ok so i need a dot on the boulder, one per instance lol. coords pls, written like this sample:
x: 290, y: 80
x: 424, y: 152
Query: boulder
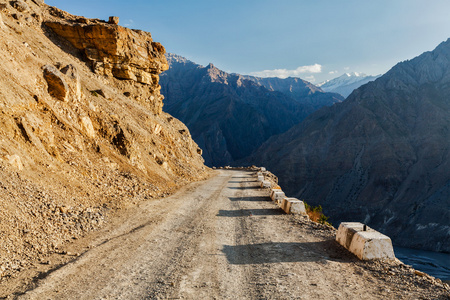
x: 113, y: 20
x: 20, y: 5
x: 57, y: 86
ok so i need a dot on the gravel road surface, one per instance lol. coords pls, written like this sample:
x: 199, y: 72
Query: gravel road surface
x: 220, y: 239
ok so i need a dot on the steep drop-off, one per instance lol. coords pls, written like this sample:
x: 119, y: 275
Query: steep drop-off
x: 81, y: 128
x: 229, y: 115
x: 381, y: 156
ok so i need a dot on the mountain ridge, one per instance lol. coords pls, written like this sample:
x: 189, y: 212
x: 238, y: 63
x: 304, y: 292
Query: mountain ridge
x: 346, y: 83
x: 229, y: 115
x: 381, y: 156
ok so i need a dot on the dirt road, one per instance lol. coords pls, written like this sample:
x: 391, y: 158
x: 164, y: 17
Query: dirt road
x: 218, y: 239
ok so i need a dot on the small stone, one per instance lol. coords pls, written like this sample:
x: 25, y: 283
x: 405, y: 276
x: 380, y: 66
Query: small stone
x: 20, y: 5
x: 15, y: 161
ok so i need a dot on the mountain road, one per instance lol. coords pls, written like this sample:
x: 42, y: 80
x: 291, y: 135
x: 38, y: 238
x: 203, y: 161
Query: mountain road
x: 221, y: 238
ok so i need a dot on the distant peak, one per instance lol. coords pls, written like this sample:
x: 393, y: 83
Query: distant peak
x: 354, y: 74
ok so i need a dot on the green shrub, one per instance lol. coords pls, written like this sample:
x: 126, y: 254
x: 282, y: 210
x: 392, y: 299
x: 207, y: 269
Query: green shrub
x: 316, y: 214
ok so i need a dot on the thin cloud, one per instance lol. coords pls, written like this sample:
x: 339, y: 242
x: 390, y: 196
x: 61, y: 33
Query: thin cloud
x: 310, y: 78
x: 332, y: 72
x: 284, y: 73
x: 130, y: 22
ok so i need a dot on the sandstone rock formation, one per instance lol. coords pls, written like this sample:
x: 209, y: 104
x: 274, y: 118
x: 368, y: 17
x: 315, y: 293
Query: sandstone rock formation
x: 66, y: 165
x: 381, y: 157
x: 113, y: 50
x: 228, y: 114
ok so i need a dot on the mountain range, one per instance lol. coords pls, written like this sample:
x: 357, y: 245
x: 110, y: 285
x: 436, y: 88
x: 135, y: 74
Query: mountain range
x: 230, y: 115
x: 346, y: 83
x: 381, y: 157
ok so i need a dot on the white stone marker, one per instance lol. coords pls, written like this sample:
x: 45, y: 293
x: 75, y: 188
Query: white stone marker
x: 260, y: 178
x: 266, y: 184
x: 293, y: 206
x: 263, y: 169
x: 364, y: 242
x: 277, y: 195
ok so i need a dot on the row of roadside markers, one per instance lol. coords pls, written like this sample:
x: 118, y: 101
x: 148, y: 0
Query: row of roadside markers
x: 289, y: 205
x: 363, y: 241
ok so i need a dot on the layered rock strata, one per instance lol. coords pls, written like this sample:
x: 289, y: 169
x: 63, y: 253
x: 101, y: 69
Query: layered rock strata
x: 116, y: 51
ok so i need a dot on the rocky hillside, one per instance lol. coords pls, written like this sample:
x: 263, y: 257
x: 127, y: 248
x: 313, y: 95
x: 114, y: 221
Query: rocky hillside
x: 300, y: 90
x: 82, y: 129
x: 230, y: 116
x: 382, y: 156
x: 346, y: 83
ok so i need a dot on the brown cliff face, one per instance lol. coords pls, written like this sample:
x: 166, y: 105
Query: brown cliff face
x: 116, y: 51
x: 75, y: 144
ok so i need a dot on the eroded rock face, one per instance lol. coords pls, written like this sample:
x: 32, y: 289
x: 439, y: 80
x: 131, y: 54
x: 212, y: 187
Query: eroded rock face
x: 116, y: 51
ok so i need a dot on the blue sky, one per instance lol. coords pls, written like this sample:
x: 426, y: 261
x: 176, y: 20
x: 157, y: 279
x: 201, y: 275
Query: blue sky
x: 312, y: 39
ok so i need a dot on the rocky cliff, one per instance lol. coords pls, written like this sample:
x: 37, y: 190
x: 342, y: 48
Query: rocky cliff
x: 82, y: 131
x: 381, y: 157
x: 300, y: 90
x: 229, y: 115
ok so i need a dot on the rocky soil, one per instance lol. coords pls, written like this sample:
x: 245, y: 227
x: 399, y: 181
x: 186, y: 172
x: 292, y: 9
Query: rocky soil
x: 82, y: 132
x: 218, y: 239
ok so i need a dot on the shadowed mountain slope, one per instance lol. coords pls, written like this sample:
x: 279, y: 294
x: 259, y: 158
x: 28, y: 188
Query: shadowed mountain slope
x: 228, y: 115
x: 381, y: 156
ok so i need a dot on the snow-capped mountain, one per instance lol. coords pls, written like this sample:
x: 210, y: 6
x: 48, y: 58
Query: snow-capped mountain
x: 346, y: 83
